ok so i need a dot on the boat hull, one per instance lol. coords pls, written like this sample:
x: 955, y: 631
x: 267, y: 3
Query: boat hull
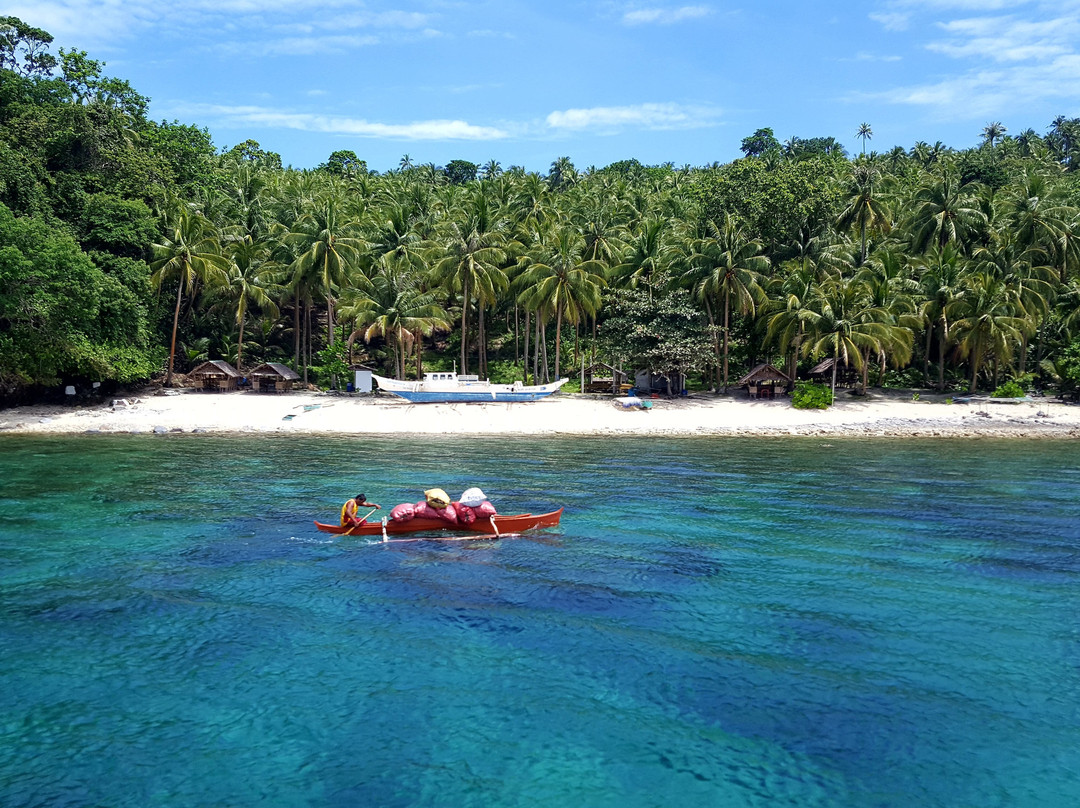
x: 506, y: 524
x: 453, y: 391
x: 467, y: 397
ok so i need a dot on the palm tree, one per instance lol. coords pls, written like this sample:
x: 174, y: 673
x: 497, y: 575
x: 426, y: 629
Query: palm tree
x: 864, y: 209
x: 992, y: 132
x: 941, y: 285
x: 189, y: 252
x: 647, y: 255
x: 558, y: 279
x: 726, y: 263
x: 944, y: 212
x: 471, y: 254
x: 865, y: 133
x: 394, y: 306
x: 839, y: 322
x: 987, y: 322
x: 248, y: 280
x: 327, y: 247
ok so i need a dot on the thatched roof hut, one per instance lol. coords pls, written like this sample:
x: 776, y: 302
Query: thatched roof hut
x: 845, y: 374
x: 273, y: 377
x: 762, y: 381
x: 216, y: 375
x: 764, y: 373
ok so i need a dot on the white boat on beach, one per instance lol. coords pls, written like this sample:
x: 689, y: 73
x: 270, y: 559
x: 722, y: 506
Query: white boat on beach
x: 442, y: 387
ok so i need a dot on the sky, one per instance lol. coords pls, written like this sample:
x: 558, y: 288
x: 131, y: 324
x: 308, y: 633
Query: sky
x: 598, y: 81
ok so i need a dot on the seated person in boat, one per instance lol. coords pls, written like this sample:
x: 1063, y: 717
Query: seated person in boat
x: 349, y: 510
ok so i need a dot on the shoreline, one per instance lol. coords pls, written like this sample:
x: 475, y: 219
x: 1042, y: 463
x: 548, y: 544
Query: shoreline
x: 882, y: 413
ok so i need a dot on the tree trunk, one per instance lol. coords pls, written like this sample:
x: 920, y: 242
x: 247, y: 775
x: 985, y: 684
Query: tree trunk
x: 558, y: 340
x: 943, y: 333
x: 330, y: 333
x: 240, y: 343
x: 716, y: 345
x: 975, y: 360
x: 175, y: 325
x: 482, y: 337
x: 926, y: 357
x: 525, y: 353
x: 727, y: 313
x: 305, y: 341
x: 881, y: 370
x: 835, y: 362
x: 517, y: 334
x: 543, y: 343
x: 536, y: 352
x: 464, y: 325
x: 296, y: 330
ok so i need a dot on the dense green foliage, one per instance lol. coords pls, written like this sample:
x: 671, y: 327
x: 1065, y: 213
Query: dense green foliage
x: 811, y: 396
x: 132, y: 247
x: 1011, y: 389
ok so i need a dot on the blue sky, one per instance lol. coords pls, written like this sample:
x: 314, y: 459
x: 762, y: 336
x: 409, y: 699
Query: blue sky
x: 598, y: 81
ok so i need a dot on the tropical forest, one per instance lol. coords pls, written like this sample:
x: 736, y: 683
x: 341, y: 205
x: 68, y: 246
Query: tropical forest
x: 133, y: 249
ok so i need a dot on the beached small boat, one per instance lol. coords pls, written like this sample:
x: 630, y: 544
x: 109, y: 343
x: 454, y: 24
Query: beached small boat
x: 450, y: 387
x: 492, y: 526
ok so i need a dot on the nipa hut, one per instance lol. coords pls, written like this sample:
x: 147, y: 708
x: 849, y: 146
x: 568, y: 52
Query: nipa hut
x: 762, y: 381
x: 604, y: 378
x: 846, y: 376
x: 273, y: 377
x: 217, y: 375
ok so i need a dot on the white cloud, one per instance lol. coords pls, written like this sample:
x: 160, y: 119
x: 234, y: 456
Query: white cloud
x: 96, y: 23
x: 665, y: 16
x: 641, y: 116
x: 236, y: 117
x: 1006, y: 39
x: 865, y: 56
x: 993, y: 92
x: 893, y: 20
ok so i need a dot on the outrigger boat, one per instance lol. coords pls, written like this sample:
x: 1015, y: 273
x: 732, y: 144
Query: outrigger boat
x: 494, y: 526
x: 444, y: 387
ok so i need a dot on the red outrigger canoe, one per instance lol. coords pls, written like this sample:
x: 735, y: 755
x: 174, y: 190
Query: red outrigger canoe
x: 502, y: 525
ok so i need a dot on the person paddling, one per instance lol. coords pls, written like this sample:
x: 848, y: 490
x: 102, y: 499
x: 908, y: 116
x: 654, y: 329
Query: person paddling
x: 349, y: 511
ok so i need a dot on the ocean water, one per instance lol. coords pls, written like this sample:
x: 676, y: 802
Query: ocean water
x: 716, y: 622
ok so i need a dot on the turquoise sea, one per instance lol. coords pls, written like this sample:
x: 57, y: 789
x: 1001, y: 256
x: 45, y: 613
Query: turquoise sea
x: 717, y: 622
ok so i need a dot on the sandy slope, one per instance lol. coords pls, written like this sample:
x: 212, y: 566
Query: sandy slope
x: 891, y: 413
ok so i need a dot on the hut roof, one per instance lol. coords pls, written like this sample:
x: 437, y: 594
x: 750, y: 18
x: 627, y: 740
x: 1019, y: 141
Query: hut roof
x: 825, y: 365
x: 275, y: 369
x: 763, y: 373
x: 600, y: 367
x: 216, y: 367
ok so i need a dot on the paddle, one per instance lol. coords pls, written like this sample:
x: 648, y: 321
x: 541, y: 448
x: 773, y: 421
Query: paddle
x: 366, y: 515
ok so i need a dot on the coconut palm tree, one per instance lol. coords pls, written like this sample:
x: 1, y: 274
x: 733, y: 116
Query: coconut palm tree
x: 864, y: 210
x: 987, y: 322
x: 944, y: 212
x: 865, y: 133
x: 393, y: 305
x: 992, y: 132
x: 248, y: 281
x: 328, y: 249
x: 726, y: 264
x: 940, y: 274
x: 470, y: 257
x: 840, y: 324
x: 557, y: 278
x: 189, y: 252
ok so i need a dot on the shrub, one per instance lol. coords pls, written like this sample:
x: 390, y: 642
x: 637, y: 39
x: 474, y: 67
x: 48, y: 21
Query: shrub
x: 1011, y: 389
x: 811, y: 396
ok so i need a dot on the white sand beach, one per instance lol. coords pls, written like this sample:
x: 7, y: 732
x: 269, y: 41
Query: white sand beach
x: 881, y: 413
